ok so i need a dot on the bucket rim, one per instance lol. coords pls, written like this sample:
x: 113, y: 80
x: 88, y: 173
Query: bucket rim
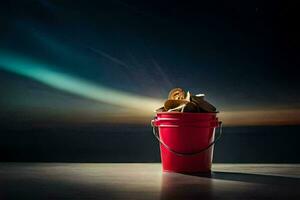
x: 187, y: 113
x: 180, y: 119
x: 177, y: 123
x: 186, y: 125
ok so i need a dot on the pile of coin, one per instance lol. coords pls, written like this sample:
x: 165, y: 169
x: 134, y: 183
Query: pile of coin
x: 181, y: 101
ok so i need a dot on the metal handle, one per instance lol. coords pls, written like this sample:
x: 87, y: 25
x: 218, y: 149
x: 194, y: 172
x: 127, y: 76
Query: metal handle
x: 155, y: 133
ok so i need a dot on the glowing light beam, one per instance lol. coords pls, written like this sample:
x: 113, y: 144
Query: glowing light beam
x: 45, y: 74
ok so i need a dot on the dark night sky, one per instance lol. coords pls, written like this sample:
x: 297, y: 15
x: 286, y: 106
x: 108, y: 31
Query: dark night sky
x: 242, y: 54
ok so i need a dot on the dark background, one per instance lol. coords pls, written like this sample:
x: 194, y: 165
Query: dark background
x: 91, y: 143
x: 242, y: 54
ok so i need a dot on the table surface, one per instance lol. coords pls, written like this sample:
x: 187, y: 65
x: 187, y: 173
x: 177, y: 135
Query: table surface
x: 146, y: 181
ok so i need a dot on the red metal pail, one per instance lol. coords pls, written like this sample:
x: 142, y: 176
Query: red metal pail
x: 186, y: 140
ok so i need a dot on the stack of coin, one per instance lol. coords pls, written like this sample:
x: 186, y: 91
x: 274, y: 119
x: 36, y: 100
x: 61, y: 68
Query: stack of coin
x: 181, y: 101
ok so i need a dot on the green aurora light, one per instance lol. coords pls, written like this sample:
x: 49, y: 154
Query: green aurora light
x: 45, y: 74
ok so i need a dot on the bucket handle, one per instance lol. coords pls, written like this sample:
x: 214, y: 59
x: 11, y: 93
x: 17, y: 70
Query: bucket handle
x: 155, y: 133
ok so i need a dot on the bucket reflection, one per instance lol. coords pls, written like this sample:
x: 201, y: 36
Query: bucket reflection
x: 183, y: 186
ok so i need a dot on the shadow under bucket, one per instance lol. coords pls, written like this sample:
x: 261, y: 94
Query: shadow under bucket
x: 186, y: 140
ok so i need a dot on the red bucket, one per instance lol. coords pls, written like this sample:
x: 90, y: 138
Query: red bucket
x: 186, y: 140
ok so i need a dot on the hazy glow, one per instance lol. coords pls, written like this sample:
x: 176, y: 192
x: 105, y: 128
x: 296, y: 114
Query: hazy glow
x: 261, y: 117
x: 45, y: 74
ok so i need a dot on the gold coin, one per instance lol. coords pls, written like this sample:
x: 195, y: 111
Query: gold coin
x: 170, y: 104
x: 177, y: 94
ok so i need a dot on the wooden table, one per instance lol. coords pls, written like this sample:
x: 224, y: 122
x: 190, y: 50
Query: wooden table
x: 146, y: 181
